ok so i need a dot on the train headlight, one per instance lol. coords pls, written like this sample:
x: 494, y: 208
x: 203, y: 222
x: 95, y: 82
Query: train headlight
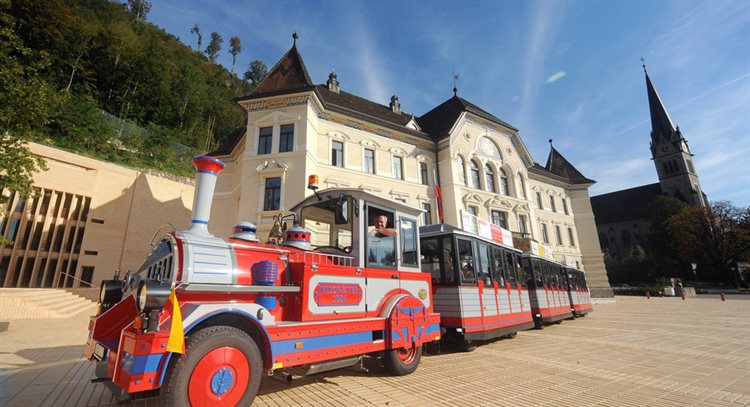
x: 111, y: 291
x: 152, y: 295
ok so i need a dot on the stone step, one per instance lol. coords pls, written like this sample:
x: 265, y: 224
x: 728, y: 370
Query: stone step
x: 36, y: 303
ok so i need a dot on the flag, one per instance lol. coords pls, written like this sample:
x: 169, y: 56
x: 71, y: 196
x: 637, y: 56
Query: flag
x: 439, y: 201
x: 176, y: 341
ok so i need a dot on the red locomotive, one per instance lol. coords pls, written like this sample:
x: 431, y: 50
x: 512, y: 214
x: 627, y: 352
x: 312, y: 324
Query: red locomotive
x: 204, y: 318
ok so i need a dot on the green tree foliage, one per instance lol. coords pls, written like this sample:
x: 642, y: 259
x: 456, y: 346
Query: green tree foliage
x: 255, y: 73
x: 213, y: 48
x: 662, y: 254
x: 133, y: 91
x: 139, y: 8
x: 235, y: 47
x: 197, y: 30
x: 715, y: 237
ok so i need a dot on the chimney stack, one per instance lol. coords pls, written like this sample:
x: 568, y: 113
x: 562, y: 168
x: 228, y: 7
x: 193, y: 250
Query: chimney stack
x: 395, y: 104
x: 333, y: 82
x: 207, y: 169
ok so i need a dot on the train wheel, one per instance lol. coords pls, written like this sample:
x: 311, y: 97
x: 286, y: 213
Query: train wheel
x: 467, y: 345
x: 222, y: 367
x: 402, y: 361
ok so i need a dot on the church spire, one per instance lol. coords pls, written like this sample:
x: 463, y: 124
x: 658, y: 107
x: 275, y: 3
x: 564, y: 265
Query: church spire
x: 661, y: 123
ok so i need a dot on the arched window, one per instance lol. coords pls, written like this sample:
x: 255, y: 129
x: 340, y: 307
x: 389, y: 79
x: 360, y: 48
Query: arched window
x: 474, y: 175
x: 489, y: 179
x: 503, y: 182
x: 461, y: 169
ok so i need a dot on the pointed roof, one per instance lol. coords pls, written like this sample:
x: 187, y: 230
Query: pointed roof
x: 661, y: 123
x: 439, y: 121
x: 288, y: 74
x: 558, y: 165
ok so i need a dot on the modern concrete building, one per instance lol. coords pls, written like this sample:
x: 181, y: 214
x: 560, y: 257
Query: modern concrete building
x: 296, y: 128
x: 88, y: 219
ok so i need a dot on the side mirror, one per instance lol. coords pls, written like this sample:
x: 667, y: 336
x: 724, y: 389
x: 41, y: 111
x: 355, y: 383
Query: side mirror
x: 342, y: 211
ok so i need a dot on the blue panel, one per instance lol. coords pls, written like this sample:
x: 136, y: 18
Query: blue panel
x: 140, y: 364
x: 320, y: 342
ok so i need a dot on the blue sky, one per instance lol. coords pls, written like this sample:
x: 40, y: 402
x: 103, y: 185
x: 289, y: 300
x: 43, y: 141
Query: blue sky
x: 569, y: 71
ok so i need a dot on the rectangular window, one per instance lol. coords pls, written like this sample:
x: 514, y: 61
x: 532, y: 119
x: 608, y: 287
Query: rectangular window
x: 473, y: 210
x: 369, y: 161
x: 545, y: 236
x: 398, y: 167
x: 337, y: 153
x: 522, y: 224
x: 427, y: 215
x: 423, y: 173
x: 500, y: 219
x: 408, y: 234
x: 558, y: 235
x: 539, y: 201
x: 286, y: 139
x: 565, y: 206
x: 570, y: 236
x: 272, y: 197
x: 264, y: 140
x: 466, y: 261
x: 552, y: 206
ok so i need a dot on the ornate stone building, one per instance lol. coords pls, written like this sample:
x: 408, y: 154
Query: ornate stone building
x: 296, y: 128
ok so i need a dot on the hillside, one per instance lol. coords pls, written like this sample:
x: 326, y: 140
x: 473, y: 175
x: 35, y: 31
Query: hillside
x: 94, y: 77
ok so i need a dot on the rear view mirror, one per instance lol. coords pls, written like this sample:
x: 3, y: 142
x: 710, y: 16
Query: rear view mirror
x: 342, y: 211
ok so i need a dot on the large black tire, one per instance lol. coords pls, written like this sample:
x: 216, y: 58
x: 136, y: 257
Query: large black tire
x: 467, y: 345
x: 186, y: 383
x: 401, y: 361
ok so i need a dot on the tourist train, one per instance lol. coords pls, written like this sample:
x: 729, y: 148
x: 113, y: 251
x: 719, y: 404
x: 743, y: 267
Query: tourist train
x: 346, y: 273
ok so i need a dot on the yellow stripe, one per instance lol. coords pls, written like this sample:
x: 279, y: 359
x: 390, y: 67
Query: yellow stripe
x: 176, y: 333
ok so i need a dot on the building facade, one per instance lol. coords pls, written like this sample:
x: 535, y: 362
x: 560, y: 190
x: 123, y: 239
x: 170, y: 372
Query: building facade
x: 87, y: 220
x: 296, y: 128
x: 620, y: 227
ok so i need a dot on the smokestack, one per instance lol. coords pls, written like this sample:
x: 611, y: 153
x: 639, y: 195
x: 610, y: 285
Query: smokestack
x: 208, y: 168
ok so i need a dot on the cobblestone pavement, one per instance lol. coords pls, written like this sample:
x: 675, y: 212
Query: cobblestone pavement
x: 657, y: 352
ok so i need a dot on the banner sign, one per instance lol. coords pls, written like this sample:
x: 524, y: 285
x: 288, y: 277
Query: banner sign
x: 480, y: 227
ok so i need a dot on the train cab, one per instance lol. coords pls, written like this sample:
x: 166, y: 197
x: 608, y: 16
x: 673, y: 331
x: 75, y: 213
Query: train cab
x: 478, y: 285
x: 548, y: 291
x: 580, y: 297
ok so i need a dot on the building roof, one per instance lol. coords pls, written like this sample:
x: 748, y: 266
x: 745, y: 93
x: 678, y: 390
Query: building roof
x: 439, y: 121
x: 289, y: 74
x: 558, y: 165
x: 661, y: 123
x: 627, y: 204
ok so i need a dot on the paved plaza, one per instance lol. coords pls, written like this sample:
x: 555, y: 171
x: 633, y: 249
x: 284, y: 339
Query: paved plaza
x: 633, y: 352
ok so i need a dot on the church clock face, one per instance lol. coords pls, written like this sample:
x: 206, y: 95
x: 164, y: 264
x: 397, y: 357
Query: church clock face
x: 665, y: 148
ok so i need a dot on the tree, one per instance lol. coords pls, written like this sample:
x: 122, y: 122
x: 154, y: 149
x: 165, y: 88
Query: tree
x: 662, y: 254
x: 235, y: 47
x: 139, y: 8
x: 17, y: 170
x: 715, y: 237
x: 256, y: 73
x: 213, y: 48
x: 197, y: 30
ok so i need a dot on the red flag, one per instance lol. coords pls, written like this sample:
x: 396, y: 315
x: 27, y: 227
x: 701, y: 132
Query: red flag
x: 439, y: 200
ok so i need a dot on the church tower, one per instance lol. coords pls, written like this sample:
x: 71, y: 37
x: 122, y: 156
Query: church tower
x: 671, y: 154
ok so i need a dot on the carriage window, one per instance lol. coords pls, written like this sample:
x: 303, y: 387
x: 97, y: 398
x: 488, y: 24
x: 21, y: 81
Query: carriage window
x: 449, y: 261
x: 408, y: 235
x: 326, y: 234
x: 466, y: 261
x: 484, y: 264
x: 430, y: 252
x: 524, y: 271
x: 511, y: 267
x: 538, y: 281
x: 500, y: 272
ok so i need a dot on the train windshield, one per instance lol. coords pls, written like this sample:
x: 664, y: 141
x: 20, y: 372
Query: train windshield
x: 329, y: 228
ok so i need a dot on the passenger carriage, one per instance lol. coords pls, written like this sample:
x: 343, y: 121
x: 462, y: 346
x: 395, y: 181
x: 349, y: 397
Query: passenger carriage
x: 319, y: 295
x: 478, y: 285
x: 580, y: 297
x: 548, y: 292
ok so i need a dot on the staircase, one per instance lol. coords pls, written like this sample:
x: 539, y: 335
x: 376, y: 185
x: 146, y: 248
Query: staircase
x: 41, y: 303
